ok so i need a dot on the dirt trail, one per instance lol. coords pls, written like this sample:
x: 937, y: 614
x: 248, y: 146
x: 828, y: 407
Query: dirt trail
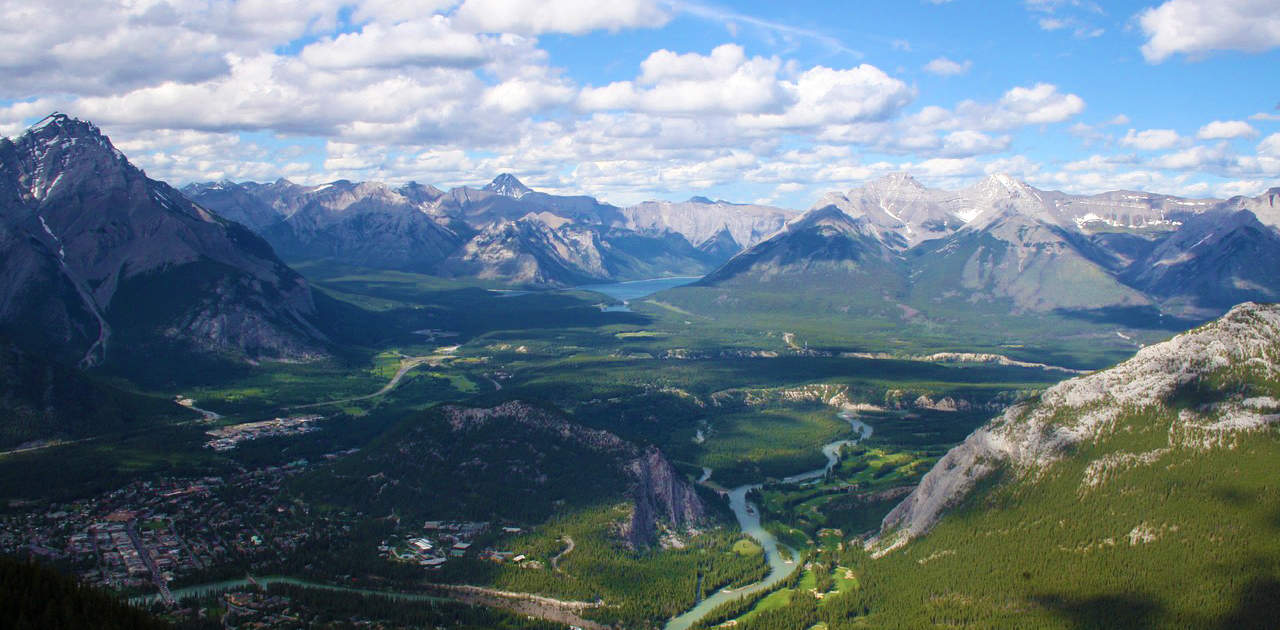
x: 555, y: 562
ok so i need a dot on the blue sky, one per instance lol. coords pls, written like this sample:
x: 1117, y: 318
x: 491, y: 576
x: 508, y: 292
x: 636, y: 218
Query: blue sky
x: 772, y: 102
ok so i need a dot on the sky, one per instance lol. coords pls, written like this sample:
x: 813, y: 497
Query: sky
x: 628, y: 100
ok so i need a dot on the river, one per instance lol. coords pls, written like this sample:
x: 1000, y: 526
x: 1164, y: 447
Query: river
x: 749, y: 520
x: 747, y: 515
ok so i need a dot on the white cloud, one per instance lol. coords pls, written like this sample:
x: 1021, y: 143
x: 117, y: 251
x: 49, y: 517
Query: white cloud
x: 429, y: 42
x: 1247, y: 188
x: 1226, y: 129
x: 1198, y: 27
x: 945, y: 67
x: 1270, y: 146
x: 532, y: 17
x: 1152, y: 139
x: 1020, y: 106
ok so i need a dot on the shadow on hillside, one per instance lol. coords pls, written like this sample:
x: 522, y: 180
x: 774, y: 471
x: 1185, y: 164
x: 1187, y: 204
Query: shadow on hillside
x: 1103, y: 612
x: 1257, y: 607
x: 1145, y: 317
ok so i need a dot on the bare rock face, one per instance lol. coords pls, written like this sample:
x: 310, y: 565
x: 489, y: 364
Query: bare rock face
x: 660, y: 494
x: 1030, y: 436
x: 82, y: 227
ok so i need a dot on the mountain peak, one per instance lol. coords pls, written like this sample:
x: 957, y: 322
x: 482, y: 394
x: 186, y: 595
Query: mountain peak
x: 507, y: 185
x: 900, y: 179
x: 1004, y: 184
x: 58, y: 124
x: 700, y: 199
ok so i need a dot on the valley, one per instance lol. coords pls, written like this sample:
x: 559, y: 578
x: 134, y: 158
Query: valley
x: 497, y: 407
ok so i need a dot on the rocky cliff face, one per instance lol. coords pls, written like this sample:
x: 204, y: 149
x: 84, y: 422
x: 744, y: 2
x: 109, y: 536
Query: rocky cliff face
x: 92, y: 246
x: 1242, y: 347
x: 660, y: 494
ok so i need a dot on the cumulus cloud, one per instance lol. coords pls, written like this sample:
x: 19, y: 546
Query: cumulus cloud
x: 1270, y: 146
x: 560, y: 16
x: 1151, y: 139
x: 945, y: 67
x: 1226, y: 129
x: 1198, y: 27
x: 429, y: 42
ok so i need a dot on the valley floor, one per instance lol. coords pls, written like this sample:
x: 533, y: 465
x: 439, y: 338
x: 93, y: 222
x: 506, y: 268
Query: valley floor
x: 753, y: 405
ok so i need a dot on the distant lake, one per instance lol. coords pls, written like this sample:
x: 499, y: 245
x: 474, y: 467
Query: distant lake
x: 636, y: 289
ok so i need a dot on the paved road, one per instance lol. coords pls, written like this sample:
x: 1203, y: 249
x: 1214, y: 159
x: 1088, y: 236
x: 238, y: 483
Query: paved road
x: 406, y: 364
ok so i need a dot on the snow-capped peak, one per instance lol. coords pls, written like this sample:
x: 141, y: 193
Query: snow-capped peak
x: 507, y: 185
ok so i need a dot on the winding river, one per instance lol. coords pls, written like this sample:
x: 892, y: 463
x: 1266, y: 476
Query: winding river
x: 749, y: 520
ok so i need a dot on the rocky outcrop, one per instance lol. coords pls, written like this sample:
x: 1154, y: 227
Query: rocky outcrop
x: 660, y: 494
x: 1031, y: 436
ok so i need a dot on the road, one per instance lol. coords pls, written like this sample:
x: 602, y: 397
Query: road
x: 145, y: 555
x: 555, y: 562
x: 406, y: 364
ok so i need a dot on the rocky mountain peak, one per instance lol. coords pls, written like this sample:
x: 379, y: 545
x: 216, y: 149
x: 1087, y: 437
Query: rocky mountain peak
x: 1031, y: 436
x: 829, y: 215
x: 507, y: 185
x: 58, y: 144
x: 701, y: 200
x: 896, y: 181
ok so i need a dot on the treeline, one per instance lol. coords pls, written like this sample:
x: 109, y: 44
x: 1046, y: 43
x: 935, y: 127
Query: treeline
x: 33, y: 597
x: 339, y: 609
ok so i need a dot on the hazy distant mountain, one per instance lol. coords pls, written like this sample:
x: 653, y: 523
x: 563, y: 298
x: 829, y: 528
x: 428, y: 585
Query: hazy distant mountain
x: 1212, y: 262
x: 1002, y: 240
x: 366, y: 224
x: 529, y: 251
x: 507, y: 185
x: 1015, y: 247
x: 1265, y: 206
x: 821, y: 246
x: 904, y: 212
x: 706, y: 223
x: 504, y: 232
x: 95, y: 251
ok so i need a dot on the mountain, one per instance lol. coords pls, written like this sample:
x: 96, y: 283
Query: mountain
x: 708, y: 225
x: 507, y: 185
x: 96, y: 252
x: 1015, y: 247
x: 1010, y: 246
x: 905, y: 212
x: 1075, y: 507
x: 821, y: 245
x: 530, y: 251
x: 1204, y: 384
x: 1265, y: 206
x: 1212, y: 262
x: 504, y: 232
x: 366, y: 224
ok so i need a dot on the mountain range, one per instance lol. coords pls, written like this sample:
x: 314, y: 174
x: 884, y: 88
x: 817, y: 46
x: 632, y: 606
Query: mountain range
x: 98, y: 252
x: 1002, y: 240
x: 504, y: 231
x: 100, y: 260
